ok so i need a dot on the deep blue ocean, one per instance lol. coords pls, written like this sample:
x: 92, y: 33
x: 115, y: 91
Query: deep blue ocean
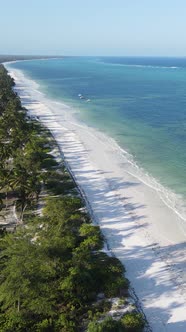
x: 139, y: 101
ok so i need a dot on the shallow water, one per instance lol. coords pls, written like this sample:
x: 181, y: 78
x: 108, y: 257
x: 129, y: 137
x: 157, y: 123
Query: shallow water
x: 140, y: 102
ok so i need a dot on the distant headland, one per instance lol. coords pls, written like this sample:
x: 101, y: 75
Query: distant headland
x: 7, y: 58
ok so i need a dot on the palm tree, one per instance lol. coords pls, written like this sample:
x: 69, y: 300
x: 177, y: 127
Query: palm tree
x: 27, y: 186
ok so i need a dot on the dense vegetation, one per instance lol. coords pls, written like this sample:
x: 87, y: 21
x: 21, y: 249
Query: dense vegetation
x: 52, y: 265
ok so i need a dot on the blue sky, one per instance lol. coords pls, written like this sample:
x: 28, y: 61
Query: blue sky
x: 93, y: 27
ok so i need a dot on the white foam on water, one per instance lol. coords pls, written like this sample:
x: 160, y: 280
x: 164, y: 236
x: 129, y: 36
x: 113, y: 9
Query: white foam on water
x: 139, y: 66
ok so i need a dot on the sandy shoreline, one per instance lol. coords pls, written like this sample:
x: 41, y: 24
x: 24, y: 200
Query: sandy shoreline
x: 147, y: 236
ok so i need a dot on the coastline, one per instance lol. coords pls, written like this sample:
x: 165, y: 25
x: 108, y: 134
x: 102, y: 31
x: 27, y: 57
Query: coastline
x: 137, y: 226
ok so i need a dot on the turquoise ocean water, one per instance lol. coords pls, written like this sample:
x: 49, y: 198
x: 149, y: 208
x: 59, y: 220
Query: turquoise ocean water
x: 140, y: 102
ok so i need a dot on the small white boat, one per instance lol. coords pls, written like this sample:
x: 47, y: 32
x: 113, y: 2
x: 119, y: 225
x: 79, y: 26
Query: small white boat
x: 83, y: 97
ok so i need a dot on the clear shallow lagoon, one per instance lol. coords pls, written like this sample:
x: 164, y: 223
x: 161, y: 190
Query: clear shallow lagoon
x: 140, y: 102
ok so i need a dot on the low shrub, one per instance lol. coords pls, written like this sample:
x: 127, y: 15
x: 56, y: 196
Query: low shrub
x: 108, y: 325
x: 133, y: 322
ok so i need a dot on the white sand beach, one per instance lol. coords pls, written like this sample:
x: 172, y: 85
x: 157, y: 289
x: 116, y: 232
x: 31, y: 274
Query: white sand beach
x: 146, y: 235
